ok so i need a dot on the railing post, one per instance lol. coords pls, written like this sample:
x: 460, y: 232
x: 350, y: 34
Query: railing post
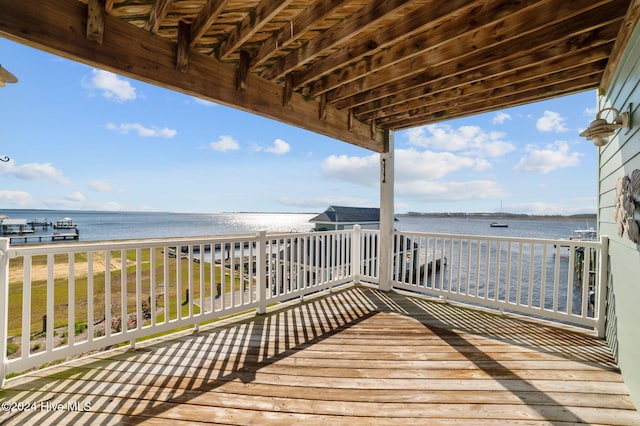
x: 601, y: 290
x: 356, y: 254
x: 261, y: 272
x: 4, y: 307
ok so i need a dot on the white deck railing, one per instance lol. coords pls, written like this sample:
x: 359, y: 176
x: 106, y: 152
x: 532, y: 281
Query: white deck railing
x: 61, y: 300
x: 550, y: 279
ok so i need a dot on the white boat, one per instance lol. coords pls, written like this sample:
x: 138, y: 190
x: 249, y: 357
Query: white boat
x: 586, y: 234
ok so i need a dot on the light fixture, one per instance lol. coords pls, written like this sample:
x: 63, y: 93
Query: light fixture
x: 600, y: 129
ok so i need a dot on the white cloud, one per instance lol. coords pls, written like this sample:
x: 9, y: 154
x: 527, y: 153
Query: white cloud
x: 34, y: 172
x: 76, y: 197
x: 279, y: 147
x: 321, y: 202
x: 590, y: 112
x: 101, y: 186
x: 112, y: 86
x: 470, y: 140
x: 501, y: 117
x: 417, y: 174
x: 411, y: 164
x: 450, y: 191
x: 551, y: 122
x: 204, y: 102
x: 224, y: 143
x: 360, y: 170
x: 554, y: 156
x: 144, y: 132
x: 15, y: 198
x: 568, y: 207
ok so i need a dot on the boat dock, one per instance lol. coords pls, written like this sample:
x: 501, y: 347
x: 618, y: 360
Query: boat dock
x: 25, y: 231
x: 45, y: 237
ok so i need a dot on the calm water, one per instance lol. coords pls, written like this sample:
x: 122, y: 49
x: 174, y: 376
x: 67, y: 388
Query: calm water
x: 99, y: 226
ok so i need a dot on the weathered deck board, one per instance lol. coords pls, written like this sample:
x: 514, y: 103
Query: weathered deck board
x: 357, y: 356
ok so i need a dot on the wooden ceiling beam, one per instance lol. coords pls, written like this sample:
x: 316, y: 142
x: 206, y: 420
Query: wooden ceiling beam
x: 426, y: 29
x: 495, y: 75
x: 282, y: 38
x: 136, y: 53
x: 159, y: 11
x: 450, y: 77
x: 96, y: 10
x: 251, y: 24
x: 365, y: 18
x: 631, y: 20
x: 209, y: 13
x: 493, y: 90
x: 452, y: 109
x: 453, y: 58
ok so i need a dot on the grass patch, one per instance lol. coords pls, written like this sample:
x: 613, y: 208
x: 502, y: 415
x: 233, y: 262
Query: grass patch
x: 107, y: 276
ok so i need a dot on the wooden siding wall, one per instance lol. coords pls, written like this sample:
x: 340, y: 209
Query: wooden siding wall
x: 620, y: 157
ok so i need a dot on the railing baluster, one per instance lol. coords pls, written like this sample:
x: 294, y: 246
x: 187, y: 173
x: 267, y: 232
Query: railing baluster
x: 26, y: 306
x: 178, y: 299
x: 124, y: 292
x: 202, y: 280
x: 90, y: 298
x: 108, y: 315
x: 166, y: 284
x: 586, y: 281
x: 571, y: 265
x: 153, y: 296
x: 138, y: 313
x: 507, y: 291
x: 556, y: 282
x: 50, y: 302
x: 71, y: 305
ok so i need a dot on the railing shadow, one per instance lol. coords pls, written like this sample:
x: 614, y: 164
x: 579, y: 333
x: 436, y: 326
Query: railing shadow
x: 198, y: 362
x: 154, y: 378
x: 451, y: 324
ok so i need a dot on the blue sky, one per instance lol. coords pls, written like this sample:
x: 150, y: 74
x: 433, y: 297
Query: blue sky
x: 82, y: 138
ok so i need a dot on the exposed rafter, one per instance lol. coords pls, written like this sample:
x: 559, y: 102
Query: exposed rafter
x: 349, y: 28
x: 348, y: 69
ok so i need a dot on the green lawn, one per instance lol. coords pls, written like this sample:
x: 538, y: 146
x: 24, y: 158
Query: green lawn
x: 98, y: 277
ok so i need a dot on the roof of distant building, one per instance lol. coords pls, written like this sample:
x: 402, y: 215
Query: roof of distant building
x: 342, y: 214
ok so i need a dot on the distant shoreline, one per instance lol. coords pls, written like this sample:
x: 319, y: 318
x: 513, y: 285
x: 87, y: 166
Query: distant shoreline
x: 502, y: 216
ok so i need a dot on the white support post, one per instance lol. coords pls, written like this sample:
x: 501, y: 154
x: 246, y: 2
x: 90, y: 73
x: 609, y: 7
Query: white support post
x: 261, y: 272
x: 386, y: 214
x: 602, y: 283
x: 356, y: 253
x: 4, y: 306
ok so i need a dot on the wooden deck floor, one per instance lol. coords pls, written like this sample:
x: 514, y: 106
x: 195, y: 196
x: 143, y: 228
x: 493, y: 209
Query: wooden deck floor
x: 358, y: 356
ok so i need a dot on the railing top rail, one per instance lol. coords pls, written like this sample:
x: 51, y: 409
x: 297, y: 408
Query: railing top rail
x: 61, y: 247
x: 566, y: 242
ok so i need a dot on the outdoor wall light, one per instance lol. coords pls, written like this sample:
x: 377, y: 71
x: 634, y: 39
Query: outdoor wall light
x: 600, y: 129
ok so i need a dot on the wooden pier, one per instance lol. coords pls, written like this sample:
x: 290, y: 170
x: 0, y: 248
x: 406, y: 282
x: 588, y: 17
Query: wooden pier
x: 47, y: 237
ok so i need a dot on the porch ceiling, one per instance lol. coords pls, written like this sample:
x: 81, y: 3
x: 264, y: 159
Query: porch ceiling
x: 347, y: 69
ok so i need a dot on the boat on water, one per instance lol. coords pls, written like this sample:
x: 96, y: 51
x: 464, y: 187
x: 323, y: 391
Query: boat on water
x: 586, y: 234
x: 498, y: 225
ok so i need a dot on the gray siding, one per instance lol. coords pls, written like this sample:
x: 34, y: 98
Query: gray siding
x: 620, y: 157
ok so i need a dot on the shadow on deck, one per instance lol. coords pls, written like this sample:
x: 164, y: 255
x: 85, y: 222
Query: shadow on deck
x: 357, y: 356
